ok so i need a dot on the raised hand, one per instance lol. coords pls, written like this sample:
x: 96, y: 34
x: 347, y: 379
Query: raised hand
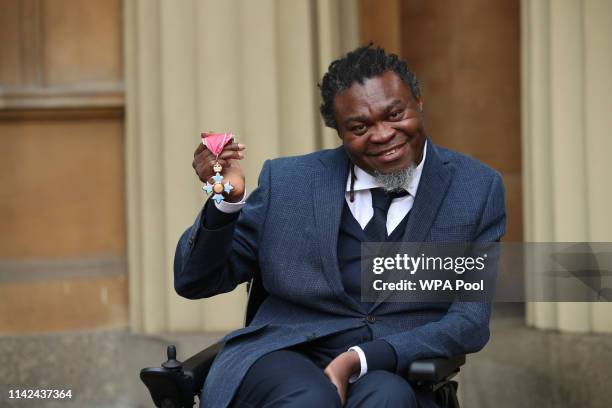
x: 204, y: 159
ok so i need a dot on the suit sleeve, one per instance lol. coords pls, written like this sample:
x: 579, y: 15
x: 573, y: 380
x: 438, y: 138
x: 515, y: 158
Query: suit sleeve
x: 465, y: 327
x: 219, y: 251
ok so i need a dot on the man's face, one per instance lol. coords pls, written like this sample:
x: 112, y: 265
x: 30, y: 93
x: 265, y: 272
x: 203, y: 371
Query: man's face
x: 380, y: 124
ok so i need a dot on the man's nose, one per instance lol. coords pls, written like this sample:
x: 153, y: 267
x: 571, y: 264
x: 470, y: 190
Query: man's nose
x: 383, y: 133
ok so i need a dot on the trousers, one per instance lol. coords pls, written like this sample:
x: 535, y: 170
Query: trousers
x: 288, y: 378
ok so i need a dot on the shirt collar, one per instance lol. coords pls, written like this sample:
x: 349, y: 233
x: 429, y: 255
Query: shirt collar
x: 365, y: 181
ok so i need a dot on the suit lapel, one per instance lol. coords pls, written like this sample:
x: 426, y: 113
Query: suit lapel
x: 434, y: 182
x: 328, y: 201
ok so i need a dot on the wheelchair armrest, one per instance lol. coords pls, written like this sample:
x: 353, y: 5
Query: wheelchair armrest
x: 199, y: 364
x: 435, y: 370
x: 174, y: 384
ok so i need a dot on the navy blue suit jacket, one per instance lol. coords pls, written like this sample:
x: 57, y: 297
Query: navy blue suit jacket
x: 288, y: 233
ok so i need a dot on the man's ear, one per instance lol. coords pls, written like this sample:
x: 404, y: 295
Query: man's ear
x: 419, y: 103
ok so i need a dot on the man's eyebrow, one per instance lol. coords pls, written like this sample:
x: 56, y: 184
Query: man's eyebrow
x: 392, y: 105
x: 358, y: 118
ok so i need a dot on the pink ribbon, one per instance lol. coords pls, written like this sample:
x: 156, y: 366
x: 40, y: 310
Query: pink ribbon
x: 215, y: 142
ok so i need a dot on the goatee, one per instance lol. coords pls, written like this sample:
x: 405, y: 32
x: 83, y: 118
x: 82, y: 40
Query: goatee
x: 396, y: 181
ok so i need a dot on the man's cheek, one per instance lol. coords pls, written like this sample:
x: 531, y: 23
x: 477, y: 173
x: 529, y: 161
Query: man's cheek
x: 411, y: 124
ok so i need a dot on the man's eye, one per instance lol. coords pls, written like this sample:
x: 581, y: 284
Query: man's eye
x: 395, y: 115
x: 358, y: 128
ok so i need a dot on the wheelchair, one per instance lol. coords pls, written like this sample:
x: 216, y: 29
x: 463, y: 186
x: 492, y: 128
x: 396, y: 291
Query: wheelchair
x: 176, y: 384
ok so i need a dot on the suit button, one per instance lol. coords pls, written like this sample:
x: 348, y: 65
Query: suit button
x: 190, y: 242
x: 371, y: 319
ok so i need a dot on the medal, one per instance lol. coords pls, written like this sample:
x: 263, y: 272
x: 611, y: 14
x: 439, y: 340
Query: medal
x: 215, y: 142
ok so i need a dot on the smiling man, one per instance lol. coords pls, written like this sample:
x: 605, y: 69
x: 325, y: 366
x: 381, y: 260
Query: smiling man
x: 313, y: 342
x: 380, y: 123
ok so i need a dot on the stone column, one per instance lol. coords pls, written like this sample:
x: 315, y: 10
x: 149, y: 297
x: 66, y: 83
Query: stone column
x: 567, y: 138
x: 196, y: 65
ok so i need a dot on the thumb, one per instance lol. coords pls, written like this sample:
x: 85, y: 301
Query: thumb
x: 339, y: 388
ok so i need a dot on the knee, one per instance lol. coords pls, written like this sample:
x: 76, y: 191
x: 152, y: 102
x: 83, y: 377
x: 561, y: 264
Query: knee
x: 391, y: 390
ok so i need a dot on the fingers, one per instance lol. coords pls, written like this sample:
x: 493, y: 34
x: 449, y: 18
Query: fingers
x: 200, y: 162
x: 338, y: 384
x: 234, y: 146
x: 230, y: 151
x: 224, y: 158
x: 204, y: 160
x: 231, y: 154
x: 341, y: 391
x: 199, y: 149
x: 205, y: 169
x: 208, y: 164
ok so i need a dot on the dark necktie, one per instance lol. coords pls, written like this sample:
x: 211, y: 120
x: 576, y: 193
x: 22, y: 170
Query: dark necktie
x: 376, y: 230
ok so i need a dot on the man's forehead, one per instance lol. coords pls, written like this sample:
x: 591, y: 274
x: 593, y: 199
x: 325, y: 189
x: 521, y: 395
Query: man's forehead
x: 375, y: 93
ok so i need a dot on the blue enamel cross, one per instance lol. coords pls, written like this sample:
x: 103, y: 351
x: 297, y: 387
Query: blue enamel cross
x: 218, y: 187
